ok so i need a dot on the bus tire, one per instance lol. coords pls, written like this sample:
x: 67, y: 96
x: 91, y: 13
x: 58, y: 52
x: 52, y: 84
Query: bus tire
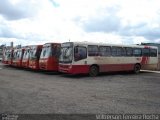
x: 137, y: 68
x: 93, y: 71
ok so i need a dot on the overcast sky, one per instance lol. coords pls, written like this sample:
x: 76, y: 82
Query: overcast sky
x: 110, y: 21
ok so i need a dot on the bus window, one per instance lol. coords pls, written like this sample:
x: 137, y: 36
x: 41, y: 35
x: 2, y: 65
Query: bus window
x: 105, y: 51
x: 137, y: 52
x: 114, y: 51
x: 80, y: 53
x: 145, y: 52
x: 153, y: 52
x: 129, y: 51
x: 92, y: 50
x: 46, y: 52
x: 26, y: 54
x: 117, y: 51
x: 123, y: 52
x: 38, y: 53
x: 56, y: 51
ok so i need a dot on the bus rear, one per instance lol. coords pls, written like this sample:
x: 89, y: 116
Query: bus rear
x: 17, y: 57
x: 49, y: 57
x: 35, y: 53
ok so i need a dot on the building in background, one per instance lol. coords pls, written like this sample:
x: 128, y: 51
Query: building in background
x: 154, y: 44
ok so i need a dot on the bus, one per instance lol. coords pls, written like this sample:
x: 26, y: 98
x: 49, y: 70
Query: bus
x: 26, y: 55
x: 35, y: 53
x: 17, y: 57
x: 93, y: 58
x: 10, y: 57
x: 49, y: 57
x: 7, y: 56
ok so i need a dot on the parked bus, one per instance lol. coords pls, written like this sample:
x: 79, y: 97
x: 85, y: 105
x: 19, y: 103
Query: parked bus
x: 92, y: 58
x: 17, y: 57
x: 7, y: 56
x: 49, y: 57
x: 10, y: 58
x: 35, y: 53
x: 26, y: 56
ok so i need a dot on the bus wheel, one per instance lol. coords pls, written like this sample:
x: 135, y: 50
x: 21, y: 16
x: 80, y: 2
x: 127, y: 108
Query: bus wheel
x: 93, y: 71
x: 137, y: 68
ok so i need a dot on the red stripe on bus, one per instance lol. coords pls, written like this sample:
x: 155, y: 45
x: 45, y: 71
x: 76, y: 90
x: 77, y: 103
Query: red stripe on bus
x: 75, y: 69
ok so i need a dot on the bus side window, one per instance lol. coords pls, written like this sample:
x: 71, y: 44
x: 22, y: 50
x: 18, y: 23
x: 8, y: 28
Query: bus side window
x: 114, y: 51
x: 117, y: 51
x: 123, y: 52
x: 145, y: 52
x: 153, y: 52
x: 129, y: 51
x: 137, y: 52
x: 80, y: 53
x: 93, y: 50
x: 104, y: 51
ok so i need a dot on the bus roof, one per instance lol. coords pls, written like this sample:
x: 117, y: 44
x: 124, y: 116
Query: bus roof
x: 116, y: 45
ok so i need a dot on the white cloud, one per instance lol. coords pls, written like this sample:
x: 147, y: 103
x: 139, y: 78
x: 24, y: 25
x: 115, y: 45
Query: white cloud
x: 111, y: 21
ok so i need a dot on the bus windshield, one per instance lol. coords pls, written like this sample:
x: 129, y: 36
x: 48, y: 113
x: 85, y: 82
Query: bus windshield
x: 7, y: 55
x: 46, y: 52
x: 66, y: 55
x: 17, y: 54
x: 33, y: 53
x: 26, y: 54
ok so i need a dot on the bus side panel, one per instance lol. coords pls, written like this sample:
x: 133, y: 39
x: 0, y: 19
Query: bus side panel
x: 74, y: 69
x: 109, y: 64
x: 80, y: 69
x: 151, y: 63
x: 116, y: 67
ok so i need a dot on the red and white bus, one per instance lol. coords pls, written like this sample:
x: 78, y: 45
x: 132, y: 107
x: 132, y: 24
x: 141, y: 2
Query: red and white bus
x: 35, y: 53
x: 17, y: 57
x: 49, y: 57
x: 92, y: 58
x: 10, y: 58
x: 26, y: 55
x: 7, y: 56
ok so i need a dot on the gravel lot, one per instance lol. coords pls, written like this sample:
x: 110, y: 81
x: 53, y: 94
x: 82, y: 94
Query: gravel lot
x: 25, y: 91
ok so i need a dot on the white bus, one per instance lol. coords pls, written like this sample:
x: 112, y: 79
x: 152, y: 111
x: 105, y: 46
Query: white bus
x: 92, y: 58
